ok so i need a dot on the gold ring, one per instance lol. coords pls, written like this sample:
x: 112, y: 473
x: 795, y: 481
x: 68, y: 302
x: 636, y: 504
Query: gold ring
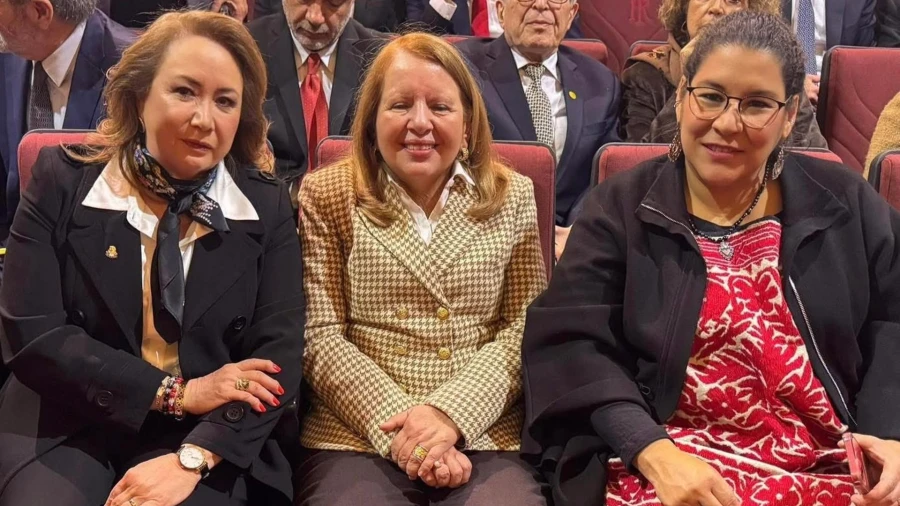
x: 242, y: 384
x: 132, y: 502
x: 419, y: 453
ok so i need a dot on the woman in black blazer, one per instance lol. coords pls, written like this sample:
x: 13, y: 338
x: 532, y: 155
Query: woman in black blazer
x: 152, y: 311
x: 722, y: 318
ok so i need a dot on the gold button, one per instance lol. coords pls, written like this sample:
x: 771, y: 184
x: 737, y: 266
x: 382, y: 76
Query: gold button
x: 444, y: 353
x: 402, y: 313
x: 443, y: 313
x: 400, y: 350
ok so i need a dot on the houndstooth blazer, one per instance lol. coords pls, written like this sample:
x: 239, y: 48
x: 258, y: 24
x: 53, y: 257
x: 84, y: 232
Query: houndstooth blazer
x: 393, y: 322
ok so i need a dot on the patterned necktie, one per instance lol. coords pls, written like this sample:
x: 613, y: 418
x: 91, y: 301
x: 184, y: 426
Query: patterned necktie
x: 806, y: 33
x: 315, y: 108
x: 539, y: 104
x: 40, y: 110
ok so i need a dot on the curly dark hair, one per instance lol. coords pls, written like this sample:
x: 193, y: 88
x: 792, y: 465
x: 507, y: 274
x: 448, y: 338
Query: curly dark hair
x: 673, y: 14
x: 756, y: 31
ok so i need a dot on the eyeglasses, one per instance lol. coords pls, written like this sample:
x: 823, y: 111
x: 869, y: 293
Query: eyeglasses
x: 756, y: 112
x: 552, y: 2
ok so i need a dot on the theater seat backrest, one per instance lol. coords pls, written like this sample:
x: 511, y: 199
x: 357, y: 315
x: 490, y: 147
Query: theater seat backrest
x: 531, y: 159
x: 592, y: 47
x: 884, y: 174
x: 619, y: 24
x: 617, y: 157
x: 856, y: 84
x: 645, y: 46
x: 32, y: 143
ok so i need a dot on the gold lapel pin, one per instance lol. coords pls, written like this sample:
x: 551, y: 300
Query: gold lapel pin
x: 111, y: 252
x: 572, y: 95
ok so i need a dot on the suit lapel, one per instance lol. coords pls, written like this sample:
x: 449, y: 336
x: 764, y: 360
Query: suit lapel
x: 283, y: 69
x: 456, y: 229
x: 505, y: 77
x: 84, y: 106
x: 403, y: 242
x: 16, y: 76
x: 834, y: 22
x: 347, y: 75
x: 207, y: 280
x: 573, y: 84
x: 109, y: 250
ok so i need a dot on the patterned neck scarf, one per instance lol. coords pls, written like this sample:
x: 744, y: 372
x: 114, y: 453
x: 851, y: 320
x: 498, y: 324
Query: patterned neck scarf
x: 167, y: 270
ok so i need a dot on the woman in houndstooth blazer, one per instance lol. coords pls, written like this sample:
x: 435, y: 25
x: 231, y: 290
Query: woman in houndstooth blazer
x: 421, y: 254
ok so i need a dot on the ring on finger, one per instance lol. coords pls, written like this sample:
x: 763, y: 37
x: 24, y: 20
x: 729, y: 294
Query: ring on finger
x: 419, y: 453
x: 132, y: 502
x: 242, y: 384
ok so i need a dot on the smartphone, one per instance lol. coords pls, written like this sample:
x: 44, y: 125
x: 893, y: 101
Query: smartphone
x: 857, y: 460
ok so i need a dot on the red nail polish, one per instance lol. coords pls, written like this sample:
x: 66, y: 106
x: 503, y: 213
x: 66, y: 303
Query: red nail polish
x: 277, y: 369
x: 280, y: 391
x: 262, y: 409
x: 275, y: 402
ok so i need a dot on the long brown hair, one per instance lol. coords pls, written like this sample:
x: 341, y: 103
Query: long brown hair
x: 673, y: 14
x: 130, y: 81
x: 490, y: 175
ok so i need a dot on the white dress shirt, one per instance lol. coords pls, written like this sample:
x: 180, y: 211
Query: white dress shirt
x: 551, y: 83
x: 821, y: 28
x: 425, y: 224
x: 59, y: 67
x: 113, y: 192
x: 328, y: 62
x: 446, y: 9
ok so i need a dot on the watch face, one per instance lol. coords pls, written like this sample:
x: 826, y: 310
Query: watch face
x: 191, y: 458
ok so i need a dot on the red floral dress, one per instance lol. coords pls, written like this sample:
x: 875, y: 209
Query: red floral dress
x: 751, y: 406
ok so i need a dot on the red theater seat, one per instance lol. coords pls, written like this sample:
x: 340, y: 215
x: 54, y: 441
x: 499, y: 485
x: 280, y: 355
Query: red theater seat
x: 857, y: 82
x: 884, y: 174
x: 645, y: 46
x: 531, y: 159
x: 32, y: 143
x: 592, y: 47
x: 617, y: 157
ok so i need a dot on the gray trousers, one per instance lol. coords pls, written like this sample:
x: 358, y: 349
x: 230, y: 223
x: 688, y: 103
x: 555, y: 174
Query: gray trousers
x: 332, y: 478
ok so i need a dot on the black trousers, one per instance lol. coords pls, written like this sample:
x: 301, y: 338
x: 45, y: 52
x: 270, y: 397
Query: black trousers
x: 84, y: 469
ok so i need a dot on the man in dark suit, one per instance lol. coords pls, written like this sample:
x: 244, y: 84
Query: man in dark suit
x: 466, y: 17
x: 54, y: 72
x: 823, y: 24
x: 538, y: 90
x: 381, y: 15
x: 315, y: 54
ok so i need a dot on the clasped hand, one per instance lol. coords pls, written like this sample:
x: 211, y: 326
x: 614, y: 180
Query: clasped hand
x: 432, y: 429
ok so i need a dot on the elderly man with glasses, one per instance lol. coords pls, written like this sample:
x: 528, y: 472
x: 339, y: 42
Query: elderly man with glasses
x: 537, y: 90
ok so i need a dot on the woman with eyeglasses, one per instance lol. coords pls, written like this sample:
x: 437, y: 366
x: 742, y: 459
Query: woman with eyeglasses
x: 650, y: 79
x: 722, y: 316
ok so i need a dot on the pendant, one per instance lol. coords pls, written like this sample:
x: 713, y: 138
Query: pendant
x: 726, y: 250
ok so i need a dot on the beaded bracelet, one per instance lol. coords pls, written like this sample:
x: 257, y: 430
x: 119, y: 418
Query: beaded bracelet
x: 170, y: 397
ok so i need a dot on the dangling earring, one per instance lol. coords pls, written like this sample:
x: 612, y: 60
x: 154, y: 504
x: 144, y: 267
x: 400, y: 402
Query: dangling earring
x: 675, y: 148
x: 463, y: 155
x: 778, y: 166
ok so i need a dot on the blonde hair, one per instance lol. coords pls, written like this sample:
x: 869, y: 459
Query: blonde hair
x: 130, y: 80
x: 490, y: 175
x: 673, y: 14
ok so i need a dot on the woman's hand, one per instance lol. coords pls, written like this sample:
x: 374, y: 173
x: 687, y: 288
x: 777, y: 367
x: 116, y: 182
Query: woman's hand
x: 202, y: 395
x: 452, y: 470
x: 681, y: 479
x: 424, y: 426
x: 883, y: 458
x: 157, y: 482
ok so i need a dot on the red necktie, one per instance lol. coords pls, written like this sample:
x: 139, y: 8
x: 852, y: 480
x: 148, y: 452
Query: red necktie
x: 315, y: 108
x: 481, y: 26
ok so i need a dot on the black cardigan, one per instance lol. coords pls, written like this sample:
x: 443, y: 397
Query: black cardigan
x: 606, y: 346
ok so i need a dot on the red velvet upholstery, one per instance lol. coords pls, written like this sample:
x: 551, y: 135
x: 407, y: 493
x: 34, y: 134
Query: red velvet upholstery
x: 884, y: 174
x: 614, y: 158
x: 856, y: 85
x: 531, y: 159
x: 645, y: 46
x: 31, y: 144
x: 619, y: 23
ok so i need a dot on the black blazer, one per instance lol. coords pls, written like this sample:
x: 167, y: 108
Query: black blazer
x: 71, y: 321
x: 606, y: 346
x: 592, y: 94
x: 101, y: 48
x: 888, y: 30
x: 847, y: 22
x: 283, y: 106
